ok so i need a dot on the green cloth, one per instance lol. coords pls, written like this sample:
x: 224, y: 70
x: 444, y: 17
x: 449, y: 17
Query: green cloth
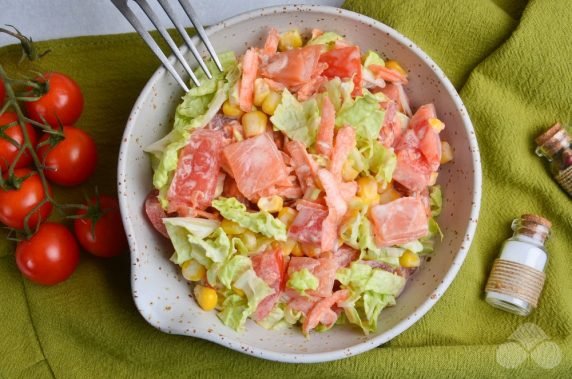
x: 511, y: 61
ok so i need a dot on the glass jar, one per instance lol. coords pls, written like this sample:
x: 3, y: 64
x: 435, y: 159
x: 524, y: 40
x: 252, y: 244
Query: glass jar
x: 517, y: 276
x: 555, y: 145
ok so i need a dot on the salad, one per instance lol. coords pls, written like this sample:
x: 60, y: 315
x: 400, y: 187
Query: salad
x: 297, y: 186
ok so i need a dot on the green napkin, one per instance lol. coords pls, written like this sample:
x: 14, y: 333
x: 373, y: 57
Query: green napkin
x: 511, y: 61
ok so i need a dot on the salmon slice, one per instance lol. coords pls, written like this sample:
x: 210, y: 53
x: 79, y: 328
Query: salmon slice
x: 325, y: 137
x: 323, y: 268
x: 345, y: 255
x: 337, y: 208
x: 399, y: 221
x: 195, y: 180
x: 310, y: 88
x: 307, y: 225
x: 249, y: 72
x: 344, y: 144
x: 322, y: 310
x: 348, y: 190
x: 391, y: 130
x: 412, y: 171
x: 269, y: 266
x: 304, y: 165
x: 271, y: 44
x: 293, y: 67
x: 387, y: 74
x: 256, y: 164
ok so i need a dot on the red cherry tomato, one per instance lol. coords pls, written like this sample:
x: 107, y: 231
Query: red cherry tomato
x: 63, y: 101
x: 107, y: 237
x: 50, y: 256
x: 15, y: 204
x: 72, y: 160
x: 8, y: 151
x: 2, y: 92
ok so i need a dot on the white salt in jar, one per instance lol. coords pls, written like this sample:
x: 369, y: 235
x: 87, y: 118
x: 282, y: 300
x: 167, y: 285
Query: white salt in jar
x: 517, y: 276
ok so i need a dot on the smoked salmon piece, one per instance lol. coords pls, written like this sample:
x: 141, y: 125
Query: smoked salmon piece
x: 249, y: 72
x: 304, y: 165
x: 269, y: 266
x: 325, y: 137
x: 400, y: 221
x: 307, y: 226
x: 321, y: 312
x: 293, y: 67
x: 344, y: 144
x: 256, y: 164
x: 412, y: 171
x: 195, y: 180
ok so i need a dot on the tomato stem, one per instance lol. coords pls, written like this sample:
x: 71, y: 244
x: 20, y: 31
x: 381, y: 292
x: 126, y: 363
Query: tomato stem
x: 12, y: 101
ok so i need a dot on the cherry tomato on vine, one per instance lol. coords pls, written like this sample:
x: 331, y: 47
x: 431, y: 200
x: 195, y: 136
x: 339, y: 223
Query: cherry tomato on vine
x: 9, y: 152
x: 61, y: 101
x: 15, y: 204
x: 50, y: 256
x: 100, y: 231
x: 2, y: 92
x: 72, y: 160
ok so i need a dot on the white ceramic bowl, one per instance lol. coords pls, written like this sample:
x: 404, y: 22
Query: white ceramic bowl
x: 160, y: 292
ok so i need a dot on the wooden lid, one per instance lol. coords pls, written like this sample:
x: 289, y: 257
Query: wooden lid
x: 532, y: 218
x: 553, y: 140
x: 547, y: 135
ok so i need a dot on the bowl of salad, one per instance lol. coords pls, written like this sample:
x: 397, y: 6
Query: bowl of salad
x: 312, y: 200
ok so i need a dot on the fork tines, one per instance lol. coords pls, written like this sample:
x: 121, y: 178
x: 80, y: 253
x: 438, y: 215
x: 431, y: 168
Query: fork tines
x: 123, y: 7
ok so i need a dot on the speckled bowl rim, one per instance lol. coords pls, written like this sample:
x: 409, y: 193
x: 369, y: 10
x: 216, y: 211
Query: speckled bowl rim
x: 457, y: 261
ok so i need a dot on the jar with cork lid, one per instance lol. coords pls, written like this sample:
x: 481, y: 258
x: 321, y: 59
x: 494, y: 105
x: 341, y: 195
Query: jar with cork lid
x: 517, y: 276
x: 555, y: 146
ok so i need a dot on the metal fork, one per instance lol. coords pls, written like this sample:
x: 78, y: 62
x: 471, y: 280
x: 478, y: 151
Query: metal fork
x: 123, y: 7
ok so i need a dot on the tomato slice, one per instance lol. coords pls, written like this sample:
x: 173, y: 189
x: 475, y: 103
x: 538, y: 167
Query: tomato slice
x: 344, y: 63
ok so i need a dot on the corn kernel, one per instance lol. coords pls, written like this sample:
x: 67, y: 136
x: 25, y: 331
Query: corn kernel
x: 271, y: 204
x: 254, y: 123
x: 271, y: 102
x: 388, y: 195
x: 290, y: 40
x: 297, y: 251
x: 261, y: 91
x: 409, y: 259
x: 287, y: 215
x: 436, y: 124
x: 231, y: 227
x: 349, y: 173
x: 193, y: 271
x: 433, y: 178
x: 367, y: 190
x: 231, y: 110
x: 206, y: 297
x: 249, y: 240
x: 446, y: 152
x: 394, y: 65
x: 288, y: 246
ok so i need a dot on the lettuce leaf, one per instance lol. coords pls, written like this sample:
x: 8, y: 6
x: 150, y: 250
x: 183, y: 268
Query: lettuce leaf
x: 364, y: 115
x: 339, y: 92
x: 435, y: 200
x: 325, y: 39
x: 298, y: 120
x: 371, y: 57
x: 276, y: 319
x: 234, y: 312
x: 260, y: 222
x: 197, y: 109
x: 303, y: 280
x: 179, y: 230
x: 231, y: 270
x: 371, y: 290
